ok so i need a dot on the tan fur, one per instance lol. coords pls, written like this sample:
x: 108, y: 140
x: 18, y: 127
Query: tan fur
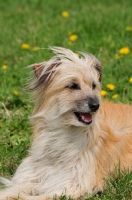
x: 70, y: 156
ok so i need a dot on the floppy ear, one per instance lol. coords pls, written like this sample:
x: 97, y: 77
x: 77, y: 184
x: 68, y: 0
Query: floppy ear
x: 38, y: 68
x: 45, y: 67
x: 43, y: 72
x: 99, y: 70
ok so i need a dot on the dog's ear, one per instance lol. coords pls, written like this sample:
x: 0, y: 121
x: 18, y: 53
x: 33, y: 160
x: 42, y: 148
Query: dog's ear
x: 98, y: 67
x: 38, y: 68
x: 43, y: 72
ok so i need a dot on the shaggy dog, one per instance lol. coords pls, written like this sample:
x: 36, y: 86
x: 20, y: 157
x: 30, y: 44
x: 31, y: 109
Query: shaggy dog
x: 78, y: 141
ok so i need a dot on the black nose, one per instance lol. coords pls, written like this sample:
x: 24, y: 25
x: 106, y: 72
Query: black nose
x: 93, y: 104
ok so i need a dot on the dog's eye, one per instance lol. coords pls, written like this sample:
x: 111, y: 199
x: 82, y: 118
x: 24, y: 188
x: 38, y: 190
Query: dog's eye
x: 74, y: 86
x: 93, y: 86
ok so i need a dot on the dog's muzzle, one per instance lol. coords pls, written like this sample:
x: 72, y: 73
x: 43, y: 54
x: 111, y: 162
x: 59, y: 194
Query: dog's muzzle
x: 87, y: 107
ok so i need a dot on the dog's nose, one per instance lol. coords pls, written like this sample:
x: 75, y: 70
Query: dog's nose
x: 93, y: 104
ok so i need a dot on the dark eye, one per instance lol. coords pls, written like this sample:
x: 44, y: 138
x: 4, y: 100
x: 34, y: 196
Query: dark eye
x: 93, y: 86
x: 74, y: 86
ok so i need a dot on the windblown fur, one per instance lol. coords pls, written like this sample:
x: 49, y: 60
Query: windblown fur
x: 78, y: 141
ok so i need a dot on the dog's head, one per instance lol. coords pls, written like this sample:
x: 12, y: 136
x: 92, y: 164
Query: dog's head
x: 67, y: 88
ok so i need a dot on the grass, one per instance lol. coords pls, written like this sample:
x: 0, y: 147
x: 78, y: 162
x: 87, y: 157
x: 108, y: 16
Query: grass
x: 100, y: 27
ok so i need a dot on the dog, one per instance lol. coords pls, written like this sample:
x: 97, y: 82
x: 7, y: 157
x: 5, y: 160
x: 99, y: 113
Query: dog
x: 79, y: 140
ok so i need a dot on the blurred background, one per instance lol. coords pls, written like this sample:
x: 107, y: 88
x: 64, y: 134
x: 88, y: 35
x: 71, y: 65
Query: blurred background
x: 103, y: 28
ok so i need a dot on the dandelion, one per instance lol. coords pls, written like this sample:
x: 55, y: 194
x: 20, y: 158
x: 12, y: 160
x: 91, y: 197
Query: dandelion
x: 129, y: 28
x: 15, y: 93
x: 130, y: 80
x: 35, y: 48
x: 103, y: 93
x: 73, y: 38
x: 25, y: 46
x: 110, y: 86
x: 65, y: 14
x: 124, y: 50
x: 115, y: 96
x: 4, y: 67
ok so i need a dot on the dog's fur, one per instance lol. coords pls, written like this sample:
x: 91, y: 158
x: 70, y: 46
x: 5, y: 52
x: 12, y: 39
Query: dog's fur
x: 71, y: 153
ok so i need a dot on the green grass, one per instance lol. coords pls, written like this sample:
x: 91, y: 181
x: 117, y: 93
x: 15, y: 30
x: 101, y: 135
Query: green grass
x: 101, y: 30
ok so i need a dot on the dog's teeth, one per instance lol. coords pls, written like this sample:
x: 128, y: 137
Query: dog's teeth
x: 83, y: 118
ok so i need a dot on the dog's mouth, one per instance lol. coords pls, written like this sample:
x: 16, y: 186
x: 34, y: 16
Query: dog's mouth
x: 85, y: 118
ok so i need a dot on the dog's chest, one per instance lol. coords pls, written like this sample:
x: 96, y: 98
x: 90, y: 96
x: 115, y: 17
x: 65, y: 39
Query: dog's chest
x: 75, y: 175
x: 67, y: 163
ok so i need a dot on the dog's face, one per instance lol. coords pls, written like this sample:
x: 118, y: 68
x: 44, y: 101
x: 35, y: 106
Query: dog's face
x: 68, y: 88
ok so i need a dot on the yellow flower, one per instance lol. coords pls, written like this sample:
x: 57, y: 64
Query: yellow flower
x: 65, y: 14
x: 110, y: 86
x: 15, y: 93
x: 35, y: 48
x: 115, y: 96
x: 130, y: 80
x: 0, y: 124
x: 4, y: 67
x: 129, y: 28
x: 103, y: 93
x: 25, y: 46
x: 73, y: 37
x: 124, y: 50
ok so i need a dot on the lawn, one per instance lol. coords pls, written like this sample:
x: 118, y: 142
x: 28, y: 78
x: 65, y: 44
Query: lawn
x: 103, y: 28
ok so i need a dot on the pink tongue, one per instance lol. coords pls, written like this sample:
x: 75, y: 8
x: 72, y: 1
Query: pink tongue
x: 87, y: 117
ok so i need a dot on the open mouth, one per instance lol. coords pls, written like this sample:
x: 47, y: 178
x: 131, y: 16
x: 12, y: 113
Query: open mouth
x: 85, y: 118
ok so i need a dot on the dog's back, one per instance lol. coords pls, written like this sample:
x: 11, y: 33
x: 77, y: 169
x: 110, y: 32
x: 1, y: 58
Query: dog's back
x: 116, y: 124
